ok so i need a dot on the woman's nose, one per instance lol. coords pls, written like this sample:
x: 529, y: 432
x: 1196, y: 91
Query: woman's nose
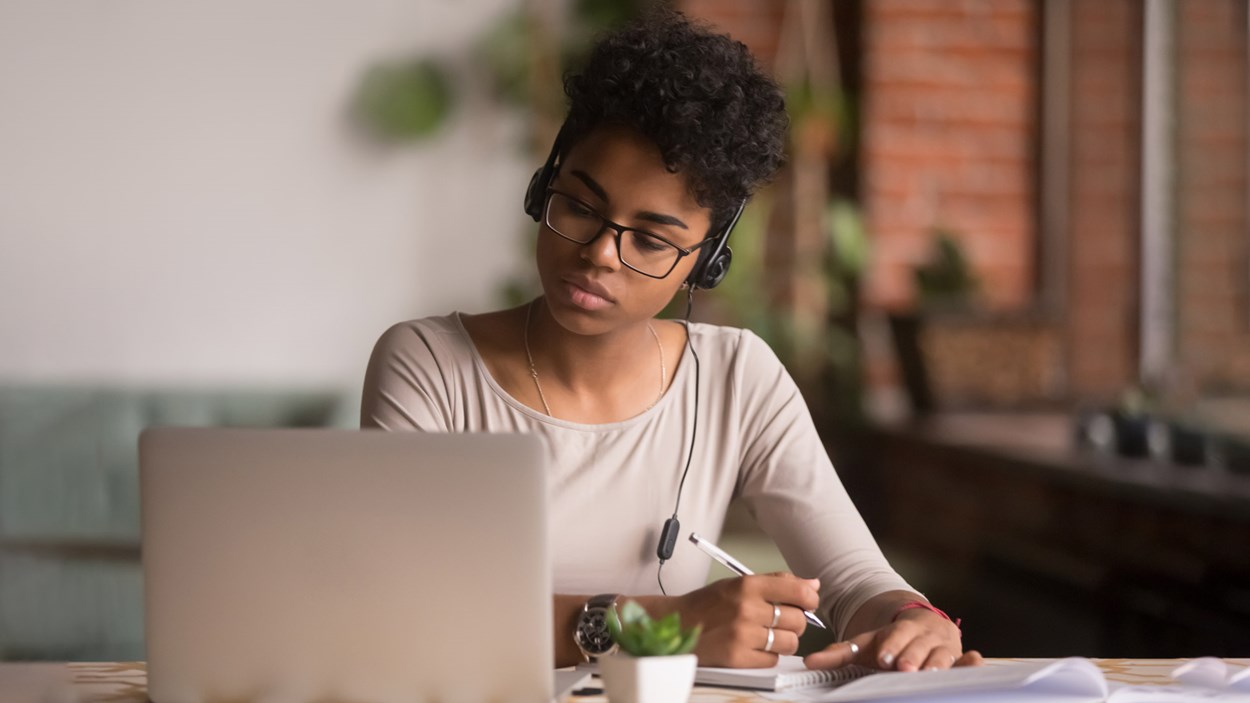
x: 601, y: 251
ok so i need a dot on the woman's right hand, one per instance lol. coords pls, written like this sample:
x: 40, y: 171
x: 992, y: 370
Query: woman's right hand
x: 737, y: 613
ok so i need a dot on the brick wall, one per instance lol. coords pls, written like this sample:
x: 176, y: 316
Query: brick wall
x: 949, y: 135
x: 949, y: 132
x: 1213, y: 243
x: 1104, y: 197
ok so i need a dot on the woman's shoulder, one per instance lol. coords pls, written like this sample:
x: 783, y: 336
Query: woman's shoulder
x: 437, y: 336
x: 737, y: 354
x: 730, y: 344
x: 742, y: 368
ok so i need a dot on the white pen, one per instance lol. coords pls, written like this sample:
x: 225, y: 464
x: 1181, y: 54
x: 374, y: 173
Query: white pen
x: 741, y: 569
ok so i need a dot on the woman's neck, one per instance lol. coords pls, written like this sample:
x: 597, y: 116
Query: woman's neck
x: 588, y: 365
x: 580, y: 362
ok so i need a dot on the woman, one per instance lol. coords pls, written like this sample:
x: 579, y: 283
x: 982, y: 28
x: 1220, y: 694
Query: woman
x: 670, y: 129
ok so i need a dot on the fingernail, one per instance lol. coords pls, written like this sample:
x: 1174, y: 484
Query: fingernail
x: 887, y: 658
x: 932, y: 668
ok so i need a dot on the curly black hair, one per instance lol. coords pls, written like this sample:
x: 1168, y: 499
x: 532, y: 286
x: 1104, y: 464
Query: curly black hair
x: 699, y: 95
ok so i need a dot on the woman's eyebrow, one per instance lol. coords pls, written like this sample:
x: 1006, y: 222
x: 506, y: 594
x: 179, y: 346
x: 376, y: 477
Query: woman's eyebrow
x: 592, y: 184
x: 602, y: 194
x: 660, y: 219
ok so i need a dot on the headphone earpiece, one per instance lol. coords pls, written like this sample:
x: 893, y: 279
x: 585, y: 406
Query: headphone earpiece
x: 535, y: 192
x: 716, y: 269
x: 713, y: 263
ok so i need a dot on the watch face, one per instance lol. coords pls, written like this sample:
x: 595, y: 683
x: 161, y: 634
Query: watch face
x: 592, y: 631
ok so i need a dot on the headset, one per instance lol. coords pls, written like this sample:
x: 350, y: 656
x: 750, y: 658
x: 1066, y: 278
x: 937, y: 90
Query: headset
x: 709, y: 270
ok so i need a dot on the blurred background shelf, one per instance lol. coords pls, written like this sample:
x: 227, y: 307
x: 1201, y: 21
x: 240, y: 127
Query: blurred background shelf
x: 1046, y: 548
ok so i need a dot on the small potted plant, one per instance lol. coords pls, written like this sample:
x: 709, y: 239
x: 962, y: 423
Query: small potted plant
x: 654, y: 664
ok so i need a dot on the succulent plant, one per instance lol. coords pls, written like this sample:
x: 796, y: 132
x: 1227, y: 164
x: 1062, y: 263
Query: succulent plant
x: 640, y: 636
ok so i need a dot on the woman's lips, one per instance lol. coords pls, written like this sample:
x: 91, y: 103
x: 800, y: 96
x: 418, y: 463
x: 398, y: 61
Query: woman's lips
x: 583, y: 298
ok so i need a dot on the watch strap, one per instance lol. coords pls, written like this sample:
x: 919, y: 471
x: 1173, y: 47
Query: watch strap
x: 603, y: 600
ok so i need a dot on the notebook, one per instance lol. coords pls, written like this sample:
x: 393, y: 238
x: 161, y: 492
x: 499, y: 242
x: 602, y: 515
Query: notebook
x: 1050, y: 681
x: 318, y: 565
x: 790, y: 673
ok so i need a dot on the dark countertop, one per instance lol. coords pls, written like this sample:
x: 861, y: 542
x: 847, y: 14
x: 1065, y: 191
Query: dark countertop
x: 1044, y: 444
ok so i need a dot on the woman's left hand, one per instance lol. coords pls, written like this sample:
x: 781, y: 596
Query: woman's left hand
x: 917, y: 640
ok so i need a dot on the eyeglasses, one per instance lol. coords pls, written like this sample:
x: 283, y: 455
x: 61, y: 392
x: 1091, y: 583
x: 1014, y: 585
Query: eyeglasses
x: 645, y: 252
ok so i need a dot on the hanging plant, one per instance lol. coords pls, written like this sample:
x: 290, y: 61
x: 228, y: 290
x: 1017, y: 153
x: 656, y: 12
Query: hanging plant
x: 408, y: 101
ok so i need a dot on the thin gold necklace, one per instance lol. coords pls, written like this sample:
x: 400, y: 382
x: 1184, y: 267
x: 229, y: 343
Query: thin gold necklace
x: 534, y: 372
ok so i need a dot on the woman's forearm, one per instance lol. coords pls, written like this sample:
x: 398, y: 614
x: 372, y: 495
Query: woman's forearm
x: 565, y: 610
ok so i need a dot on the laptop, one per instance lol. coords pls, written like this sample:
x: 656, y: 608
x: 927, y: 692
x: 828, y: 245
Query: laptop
x: 337, y: 565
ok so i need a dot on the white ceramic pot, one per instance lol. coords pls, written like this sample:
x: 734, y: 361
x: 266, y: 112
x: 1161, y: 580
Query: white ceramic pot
x: 629, y: 679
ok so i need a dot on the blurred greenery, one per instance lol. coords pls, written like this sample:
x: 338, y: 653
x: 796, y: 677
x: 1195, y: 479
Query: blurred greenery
x: 848, y: 250
x: 743, y: 293
x: 504, y: 50
x: 404, y: 101
x: 407, y: 100
x: 847, y: 261
x: 946, y: 280
x: 598, y: 15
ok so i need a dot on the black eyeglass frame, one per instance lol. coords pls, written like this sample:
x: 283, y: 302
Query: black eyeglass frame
x: 618, y: 231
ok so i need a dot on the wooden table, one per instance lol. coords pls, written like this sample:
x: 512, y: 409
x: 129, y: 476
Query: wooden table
x: 126, y: 682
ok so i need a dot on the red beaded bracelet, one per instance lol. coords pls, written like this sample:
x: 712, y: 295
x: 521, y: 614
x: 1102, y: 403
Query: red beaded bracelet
x: 921, y: 604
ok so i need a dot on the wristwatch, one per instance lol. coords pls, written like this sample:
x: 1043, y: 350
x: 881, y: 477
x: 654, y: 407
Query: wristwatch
x: 591, y: 634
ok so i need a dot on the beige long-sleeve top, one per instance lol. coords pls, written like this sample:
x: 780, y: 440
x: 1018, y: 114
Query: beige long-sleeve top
x: 613, y: 485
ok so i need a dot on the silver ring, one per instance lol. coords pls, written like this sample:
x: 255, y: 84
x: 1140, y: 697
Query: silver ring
x: 768, y: 646
x: 776, y: 615
x: 854, y: 648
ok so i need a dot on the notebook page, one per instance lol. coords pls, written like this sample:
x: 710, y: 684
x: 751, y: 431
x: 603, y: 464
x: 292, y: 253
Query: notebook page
x: 1207, y: 672
x: 1213, y: 672
x: 1065, y: 679
x: 1240, y: 681
x: 1175, y: 694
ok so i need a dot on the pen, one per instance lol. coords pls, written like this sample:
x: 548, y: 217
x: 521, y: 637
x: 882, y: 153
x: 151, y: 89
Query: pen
x: 741, y: 569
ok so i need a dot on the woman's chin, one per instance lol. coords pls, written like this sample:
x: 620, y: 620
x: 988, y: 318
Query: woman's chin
x: 581, y: 322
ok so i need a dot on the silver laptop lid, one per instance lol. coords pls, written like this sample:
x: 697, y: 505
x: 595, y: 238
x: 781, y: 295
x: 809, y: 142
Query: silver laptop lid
x: 310, y: 565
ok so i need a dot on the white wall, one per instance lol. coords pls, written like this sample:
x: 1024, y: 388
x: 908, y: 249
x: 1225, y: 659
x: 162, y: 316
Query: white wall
x: 183, y: 201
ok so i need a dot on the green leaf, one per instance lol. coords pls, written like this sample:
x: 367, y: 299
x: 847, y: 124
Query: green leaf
x: 614, y: 624
x: 634, y: 614
x: 688, y: 642
x: 630, y: 642
x: 846, y: 231
x: 639, y: 635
